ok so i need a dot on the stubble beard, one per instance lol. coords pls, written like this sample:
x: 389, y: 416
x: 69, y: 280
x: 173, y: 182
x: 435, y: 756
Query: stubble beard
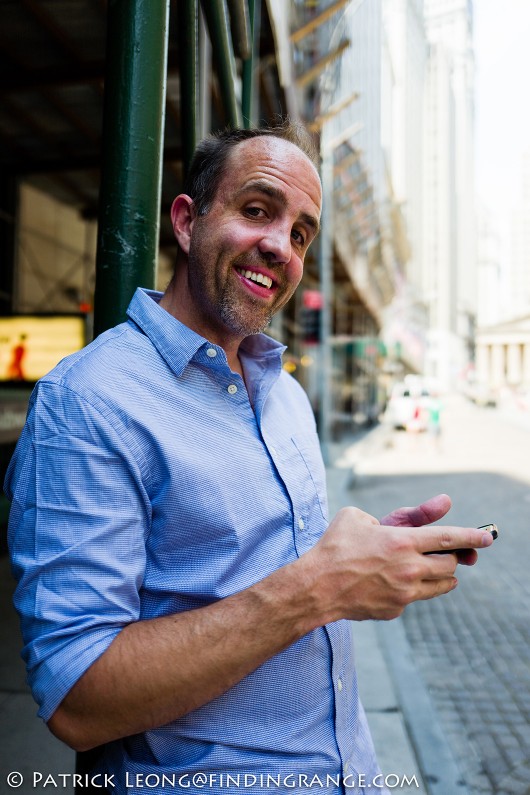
x: 241, y: 320
x: 241, y: 315
x: 246, y: 315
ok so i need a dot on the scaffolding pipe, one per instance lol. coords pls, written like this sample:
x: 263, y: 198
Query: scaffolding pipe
x: 314, y: 23
x: 241, y: 27
x: 249, y: 92
x: 318, y: 68
x: 216, y: 16
x: 189, y: 78
x: 131, y: 176
x: 325, y: 260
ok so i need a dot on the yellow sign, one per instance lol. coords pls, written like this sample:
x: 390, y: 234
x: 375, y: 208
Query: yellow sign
x: 30, y: 346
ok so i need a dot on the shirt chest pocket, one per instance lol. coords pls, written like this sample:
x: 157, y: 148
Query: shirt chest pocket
x: 305, y: 476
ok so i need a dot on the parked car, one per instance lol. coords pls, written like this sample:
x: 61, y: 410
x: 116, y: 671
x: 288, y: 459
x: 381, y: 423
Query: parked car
x: 484, y: 395
x: 408, y: 404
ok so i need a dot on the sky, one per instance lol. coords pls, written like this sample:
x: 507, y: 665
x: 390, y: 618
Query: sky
x: 502, y: 53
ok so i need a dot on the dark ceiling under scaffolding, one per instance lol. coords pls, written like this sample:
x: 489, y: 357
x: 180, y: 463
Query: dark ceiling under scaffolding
x: 52, y: 67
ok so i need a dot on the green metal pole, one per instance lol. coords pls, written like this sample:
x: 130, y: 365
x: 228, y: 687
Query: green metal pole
x: 218, y: 23
x: 249, y: 92
x: 240, y: 27
x: 188, y: 11
x: 133, y: 125
x: 326, y: 287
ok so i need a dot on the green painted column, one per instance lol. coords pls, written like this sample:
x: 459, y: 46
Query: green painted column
x: 131, y: 176
x: 218, y: 22
x: 188, y: 11
x: 250, y: 88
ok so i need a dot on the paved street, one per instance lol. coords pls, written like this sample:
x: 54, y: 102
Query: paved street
x: 471, y: 647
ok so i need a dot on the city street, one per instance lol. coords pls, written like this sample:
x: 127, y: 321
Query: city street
x: 471, y: 647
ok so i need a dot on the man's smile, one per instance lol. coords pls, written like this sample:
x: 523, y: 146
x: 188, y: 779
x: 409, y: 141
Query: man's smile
x: 259, y: 280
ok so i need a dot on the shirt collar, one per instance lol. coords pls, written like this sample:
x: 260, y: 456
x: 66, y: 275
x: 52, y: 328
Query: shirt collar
x: 177, y: 343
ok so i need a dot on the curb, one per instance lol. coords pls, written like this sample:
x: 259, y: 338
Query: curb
x: 394, y: 676
x: 438, y: 767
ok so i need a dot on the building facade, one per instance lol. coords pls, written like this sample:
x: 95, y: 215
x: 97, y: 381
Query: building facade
x: 450, y: 245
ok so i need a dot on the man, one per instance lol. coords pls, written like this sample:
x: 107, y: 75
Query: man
x: 184, y: 602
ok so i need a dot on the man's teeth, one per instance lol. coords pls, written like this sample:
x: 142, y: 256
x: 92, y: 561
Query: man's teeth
x: 266, y: 281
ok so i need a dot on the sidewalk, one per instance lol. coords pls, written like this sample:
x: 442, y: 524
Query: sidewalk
x: 408, y: 738
x: 26, y: 745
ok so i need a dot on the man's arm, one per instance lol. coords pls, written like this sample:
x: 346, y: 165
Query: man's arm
x: 159, y: 669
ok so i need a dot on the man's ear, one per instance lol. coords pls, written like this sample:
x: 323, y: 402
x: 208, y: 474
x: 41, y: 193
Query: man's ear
x: 182, y: 217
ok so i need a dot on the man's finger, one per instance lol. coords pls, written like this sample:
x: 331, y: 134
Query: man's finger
x: 429, y: 589
x: 452, y: 539
x: 467, y: 557
x: 426, y: 513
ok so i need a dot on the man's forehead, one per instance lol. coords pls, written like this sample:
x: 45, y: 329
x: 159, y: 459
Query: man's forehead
x: 268, y: 157
x: 269, y: 147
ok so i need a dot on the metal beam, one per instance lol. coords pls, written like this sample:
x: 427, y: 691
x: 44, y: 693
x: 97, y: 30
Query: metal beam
x: 216, y: 16
x: 320, y: 65
x: 240, y: 26
x: 16, y: 82
x: 55, y: 31
x: 22, y: 165
x: 250, y: 77
x: 314, y: 23
x: 316, y: 125
x: 189, y: 78
x: 325, y: 262
x: 133, y: 124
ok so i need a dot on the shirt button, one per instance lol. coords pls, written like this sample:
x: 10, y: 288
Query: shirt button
x: 339, y: 684
x: 211, y: 352
x: 301, y: 524
x: 232, y: 389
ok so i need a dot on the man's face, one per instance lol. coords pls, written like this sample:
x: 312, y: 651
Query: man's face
x: 247, y: 253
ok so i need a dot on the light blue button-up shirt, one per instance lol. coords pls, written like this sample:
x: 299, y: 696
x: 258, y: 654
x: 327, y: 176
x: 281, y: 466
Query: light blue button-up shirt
x: 148, y: 481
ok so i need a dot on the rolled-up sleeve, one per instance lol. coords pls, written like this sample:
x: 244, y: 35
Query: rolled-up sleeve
x: 77, y: 530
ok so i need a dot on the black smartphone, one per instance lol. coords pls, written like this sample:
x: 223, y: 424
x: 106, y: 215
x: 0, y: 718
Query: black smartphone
x: 490, y: 528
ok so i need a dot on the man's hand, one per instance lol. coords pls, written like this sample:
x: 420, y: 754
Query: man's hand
x: 430, y: 511
x: 373, y: 571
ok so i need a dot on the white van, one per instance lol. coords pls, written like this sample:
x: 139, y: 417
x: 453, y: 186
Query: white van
x: 407, y: 406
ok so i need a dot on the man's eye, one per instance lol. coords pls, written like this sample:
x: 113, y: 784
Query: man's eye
x: 255, y: 212
x: 299, y: 237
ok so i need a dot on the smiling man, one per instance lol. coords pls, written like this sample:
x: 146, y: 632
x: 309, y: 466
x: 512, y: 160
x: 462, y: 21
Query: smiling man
x: 185, y: 602
x: 241, y: 261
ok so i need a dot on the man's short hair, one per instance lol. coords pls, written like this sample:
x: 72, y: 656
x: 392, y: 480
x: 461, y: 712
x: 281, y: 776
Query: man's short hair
x: 209, y: 161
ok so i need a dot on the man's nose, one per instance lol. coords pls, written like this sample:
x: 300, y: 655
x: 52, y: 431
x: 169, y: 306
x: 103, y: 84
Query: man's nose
x: 275, y: 244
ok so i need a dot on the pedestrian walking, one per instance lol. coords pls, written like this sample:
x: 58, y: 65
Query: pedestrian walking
x: 434, y: 422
